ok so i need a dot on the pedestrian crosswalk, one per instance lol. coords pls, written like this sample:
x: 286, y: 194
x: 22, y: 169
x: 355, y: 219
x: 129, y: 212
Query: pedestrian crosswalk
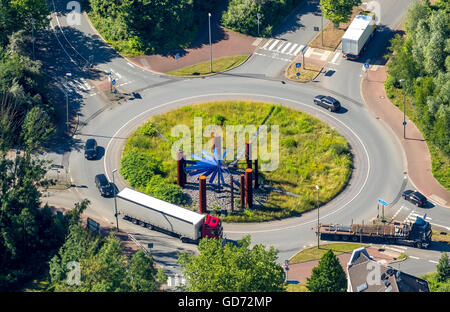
x: 79, y: 85
x: 413, y: 216
x: 282, y: 46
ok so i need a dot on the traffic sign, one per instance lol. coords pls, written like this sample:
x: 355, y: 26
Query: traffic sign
x: 404, y: 123
x: 115, y: 91
x: 292, y: 282
x: 177, y: 56
x: 366, y: 65
x: 298, y: 74
x: 113, y: 82
x: 383, y: 202
x: 298, y: 65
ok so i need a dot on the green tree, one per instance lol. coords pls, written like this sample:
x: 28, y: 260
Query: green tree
x: 232, y: 268
x: 338, y: 11
x: 142, y: 274
x: 138, y: 168
x: 328, y: 276
x: 37, y: 128
x: 443, y: 268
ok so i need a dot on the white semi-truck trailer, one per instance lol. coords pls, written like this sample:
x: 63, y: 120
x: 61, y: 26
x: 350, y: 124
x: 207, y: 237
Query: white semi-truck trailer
x: 357, y: 35
x: 157, y: 214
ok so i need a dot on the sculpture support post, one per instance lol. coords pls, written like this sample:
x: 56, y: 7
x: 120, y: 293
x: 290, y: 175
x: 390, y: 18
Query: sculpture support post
x: 232, y: 193
x: 256, y: 174
x: 202, y: 191
x: 242, y: 191
x: 248, y: 156
x: 181, y: 173
x: 249, y: 187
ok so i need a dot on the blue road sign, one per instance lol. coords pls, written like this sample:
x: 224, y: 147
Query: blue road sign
x: 177, y: 56
x: 286, y: 268
x: 292, y: 282
x: 115, y: 91
x: 404, y: 123
x: 113, y: 82
x: 298, y: 65
x: 298, y: 74
x: 366, y: 65
x: 383, y: 202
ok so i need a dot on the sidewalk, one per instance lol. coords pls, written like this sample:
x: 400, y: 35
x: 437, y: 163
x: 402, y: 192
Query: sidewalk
x: 301, y: 271
x: 416, y: 150
x: 229, y: 43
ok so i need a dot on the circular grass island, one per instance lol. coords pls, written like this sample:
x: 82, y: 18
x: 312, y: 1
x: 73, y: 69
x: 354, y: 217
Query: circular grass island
x: 310, y: 153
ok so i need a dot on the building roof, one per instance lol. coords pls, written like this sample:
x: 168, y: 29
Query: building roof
x: 366, y: 275
x: 160, y: 205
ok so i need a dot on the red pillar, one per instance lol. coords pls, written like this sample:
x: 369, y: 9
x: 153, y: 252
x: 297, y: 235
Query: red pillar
x: 202, y: 197
x: 249, y: 187
x: 242, y: 191
x: 248, y: 150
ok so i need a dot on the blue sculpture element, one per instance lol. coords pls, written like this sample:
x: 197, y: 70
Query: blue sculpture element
x: 208, y: 165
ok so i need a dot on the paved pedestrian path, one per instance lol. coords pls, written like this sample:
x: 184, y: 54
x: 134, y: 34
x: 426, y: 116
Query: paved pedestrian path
x: 416, y: 149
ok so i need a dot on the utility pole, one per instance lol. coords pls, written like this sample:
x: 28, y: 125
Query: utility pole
x: 404, y: 108
x: 318, y: 234
x: 210, y: 45
x: 258, y: 16
x: 67, y: 102
x: 115, y: 201
x: 321, y: 13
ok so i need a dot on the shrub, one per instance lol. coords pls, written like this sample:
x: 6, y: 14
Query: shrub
x: 289, y: 142
x: 138, y: 168
x: 148, y: 129
x: 160, y: 188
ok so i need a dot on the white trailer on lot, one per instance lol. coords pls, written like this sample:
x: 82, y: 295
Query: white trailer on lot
x: 161, y: 214
x: 358, y: 33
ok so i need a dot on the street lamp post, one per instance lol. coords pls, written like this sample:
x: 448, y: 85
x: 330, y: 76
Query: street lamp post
x: 67, y: 102
x: 318, y: 235
x: 258, y: 16
x: 321, y: 11
x: 115, y: 201
x: 404, y: 108
x: 210, y: 45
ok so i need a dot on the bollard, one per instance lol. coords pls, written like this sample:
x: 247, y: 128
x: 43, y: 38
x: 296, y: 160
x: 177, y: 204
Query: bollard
x: 248, y: 155
x: 249, y: 187
x: 181, y: 172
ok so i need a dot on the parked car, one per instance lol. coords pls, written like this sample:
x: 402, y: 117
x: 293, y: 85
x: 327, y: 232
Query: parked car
x: 90, y: 149
x: 103, y: 185
x: 328, y: 102
x: 415, y: 197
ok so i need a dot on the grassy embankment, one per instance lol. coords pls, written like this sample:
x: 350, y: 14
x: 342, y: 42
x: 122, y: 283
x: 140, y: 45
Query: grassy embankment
x: 204, y: 69
x: 311, y: 153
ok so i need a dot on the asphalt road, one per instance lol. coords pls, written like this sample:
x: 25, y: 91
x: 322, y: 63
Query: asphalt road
x: 379, y: 164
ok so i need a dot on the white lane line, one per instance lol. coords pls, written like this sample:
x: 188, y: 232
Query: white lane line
x: 414, y: 257
x: 335, y: 58
x: 298, y: 49
x: 292, y: 48
x: 256, y: 95
x: 432, y: 261
x: 274, y: 57
x: 273, y: 45
x: 267, y: 44
x: 442, y: 226
x: 397, y: 212
x: 286, y: 47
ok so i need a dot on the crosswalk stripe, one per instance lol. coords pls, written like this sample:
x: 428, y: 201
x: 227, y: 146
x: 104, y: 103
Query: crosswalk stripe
x: 280, y: 46
x: 267, y: 44
x: 293, y: 48
x: 273, y: 45
x: 298, y: 49
x: 286, y: 47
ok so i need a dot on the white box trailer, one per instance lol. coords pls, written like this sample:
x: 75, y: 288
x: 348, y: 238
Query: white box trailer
x: 357, y: 35
x: 166, y: 216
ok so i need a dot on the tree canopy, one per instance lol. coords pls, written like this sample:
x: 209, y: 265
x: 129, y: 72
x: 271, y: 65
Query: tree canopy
x: 232, y: 268
x: 338, y: 11
x: 328, y: 276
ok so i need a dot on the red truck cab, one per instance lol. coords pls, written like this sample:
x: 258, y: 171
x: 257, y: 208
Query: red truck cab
x: 212, y: 227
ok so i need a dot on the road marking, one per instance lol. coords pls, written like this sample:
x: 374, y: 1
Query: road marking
x: 274, y: 44
x: 286, y: 47
x: 267, y: 44
x: 257, y: 42
x: 280, y: 46
x: 398, y: 212
x: 292, y: 48
x: 299, y: 49
x: 414, y: 257
x: 442, y: 226
x: 333, y: 61
x: 274, y: 57
x: 432, y: 261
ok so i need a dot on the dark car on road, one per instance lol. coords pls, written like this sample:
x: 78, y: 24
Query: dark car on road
x: 90, y: 149
x: 103, y: 185
x: 327, y: 102
x: 415, y: 197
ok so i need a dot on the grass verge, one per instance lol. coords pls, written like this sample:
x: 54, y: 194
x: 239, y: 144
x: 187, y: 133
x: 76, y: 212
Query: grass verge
x: 301, y: 287
x: 332, y: 35
x: 440, y: 237
x: 306, y: 74
x: 315, y: 254
x: 310, y: 153
x: 204, y: 69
